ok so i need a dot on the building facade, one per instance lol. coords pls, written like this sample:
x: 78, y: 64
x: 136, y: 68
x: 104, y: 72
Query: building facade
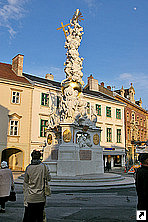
x: 25, y: 101
x: 110, y: 117
x: 16, y: 106
x: 136, y: 128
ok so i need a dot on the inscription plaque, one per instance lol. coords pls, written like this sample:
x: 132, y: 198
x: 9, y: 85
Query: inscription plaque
x: 54, y: 154
x: 85, y: 154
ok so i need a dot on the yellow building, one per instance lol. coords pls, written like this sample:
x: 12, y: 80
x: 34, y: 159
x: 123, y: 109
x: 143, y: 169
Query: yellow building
x: 16, y: 103
x: 45, y: 90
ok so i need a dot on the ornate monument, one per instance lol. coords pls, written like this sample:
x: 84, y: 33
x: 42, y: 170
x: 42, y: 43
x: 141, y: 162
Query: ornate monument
x: 72, y: 136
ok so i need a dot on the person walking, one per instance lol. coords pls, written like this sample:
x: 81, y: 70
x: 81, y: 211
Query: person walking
x: 34, y: 188
x: 141, y: 182
x: 6, y: 184
x: 107, y: 165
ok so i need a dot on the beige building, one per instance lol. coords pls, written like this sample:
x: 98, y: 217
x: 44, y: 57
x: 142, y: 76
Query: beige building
x: 45, y: 90
x: 16, y: 103
x: 110, y: 117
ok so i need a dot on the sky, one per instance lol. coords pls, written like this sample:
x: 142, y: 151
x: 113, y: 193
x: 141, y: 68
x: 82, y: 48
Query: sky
x: 114, y: 45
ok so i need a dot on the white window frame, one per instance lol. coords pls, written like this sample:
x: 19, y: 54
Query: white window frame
x: 15, y: 97
x: 14, y: 128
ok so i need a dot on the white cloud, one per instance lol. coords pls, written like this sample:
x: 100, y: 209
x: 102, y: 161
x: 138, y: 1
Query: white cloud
x: 139, y: 79
x: 93, y: 6
x: 140, y: 83
x: 90, y: 3
x: 125, y: 76
x: 10, y: 11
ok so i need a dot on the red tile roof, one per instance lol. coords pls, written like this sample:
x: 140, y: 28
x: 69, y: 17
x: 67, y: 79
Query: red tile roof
x: 7, y: 73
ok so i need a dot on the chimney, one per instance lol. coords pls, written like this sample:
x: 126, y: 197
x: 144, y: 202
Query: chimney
x: 102, y: 84
x: 109, y: 87
x: 49, y: 76
x: 93, y: 83
x: 88, y: 79
x: 17, y: 64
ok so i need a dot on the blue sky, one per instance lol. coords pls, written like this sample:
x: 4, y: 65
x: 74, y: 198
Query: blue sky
x: 114, y: 44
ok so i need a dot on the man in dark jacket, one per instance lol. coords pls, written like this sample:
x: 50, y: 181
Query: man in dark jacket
x: 142, y: 183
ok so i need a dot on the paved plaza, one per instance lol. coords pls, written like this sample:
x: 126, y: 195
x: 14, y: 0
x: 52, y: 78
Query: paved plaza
x: 104, y: 205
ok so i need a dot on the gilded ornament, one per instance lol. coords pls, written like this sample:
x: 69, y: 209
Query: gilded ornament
x: 49, y: 139
x: 67, y: 136
x: 96, y: 139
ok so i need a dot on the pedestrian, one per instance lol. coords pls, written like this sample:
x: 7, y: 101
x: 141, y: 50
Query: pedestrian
x: 6, y: 185
x: 107, y: 166
x: 141, y: 182
x: 34, y: 188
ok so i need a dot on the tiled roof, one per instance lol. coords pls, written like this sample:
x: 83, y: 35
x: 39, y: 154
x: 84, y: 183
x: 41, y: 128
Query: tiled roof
x: 7, y: 73
x: 42, y: 80
x: 101, y: 95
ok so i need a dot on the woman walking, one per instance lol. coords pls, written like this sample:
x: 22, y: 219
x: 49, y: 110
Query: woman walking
x: 6, y: 185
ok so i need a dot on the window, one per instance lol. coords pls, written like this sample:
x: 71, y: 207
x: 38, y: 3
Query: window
x: 127, y: 115
x: 98, y: 109
x: 14, y: 128
x: 45, y: 99
x: 138, y: 136
x: 108, y: 111
x: 58, y: 102
x: 109, y: 135
x: 141, y: 135
x: 133, y: 117
x: 145, y: 135
x: 88, y: 107
x: 128, y: 134
x: 137, y: 122
x: 141, y: 122
x: 144, y: 123
x: 118, y: 113
x: 15, y: 97
x: 43, y: 127
x: 118, y: 135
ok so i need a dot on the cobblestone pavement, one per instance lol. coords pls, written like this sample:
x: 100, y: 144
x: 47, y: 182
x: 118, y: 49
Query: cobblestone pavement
x: 114, y: 205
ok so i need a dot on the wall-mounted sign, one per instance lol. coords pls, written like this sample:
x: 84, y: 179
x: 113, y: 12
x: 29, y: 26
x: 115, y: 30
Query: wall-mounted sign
x: 67, y: 136
x: 49, y: 139
x: 96, y: 139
